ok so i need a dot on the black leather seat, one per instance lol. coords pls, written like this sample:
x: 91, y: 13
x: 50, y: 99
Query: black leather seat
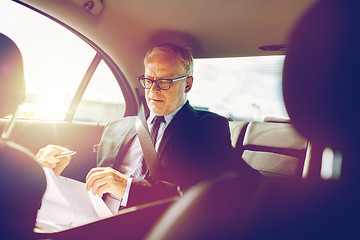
x: 320, y: 83
x: 22, y: 180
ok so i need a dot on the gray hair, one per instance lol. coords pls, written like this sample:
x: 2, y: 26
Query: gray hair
x: 183, y: 54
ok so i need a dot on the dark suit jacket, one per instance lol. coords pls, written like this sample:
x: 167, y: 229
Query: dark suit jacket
x: 195, y: 146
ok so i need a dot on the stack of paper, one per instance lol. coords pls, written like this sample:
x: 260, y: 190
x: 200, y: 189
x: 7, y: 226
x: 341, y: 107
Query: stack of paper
x: 66, y: 204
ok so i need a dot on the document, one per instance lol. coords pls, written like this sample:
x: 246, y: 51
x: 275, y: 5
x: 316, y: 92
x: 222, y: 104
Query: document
x: 66, y: 204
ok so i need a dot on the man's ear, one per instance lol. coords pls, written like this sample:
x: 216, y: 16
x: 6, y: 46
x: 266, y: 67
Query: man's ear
x: 189, y: 82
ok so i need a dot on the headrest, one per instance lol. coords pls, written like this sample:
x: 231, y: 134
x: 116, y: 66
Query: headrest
x: 321, y: 75
x: 12, y: 85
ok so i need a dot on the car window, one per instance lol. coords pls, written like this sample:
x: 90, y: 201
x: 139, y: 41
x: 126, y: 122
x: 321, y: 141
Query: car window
x: 102, y: 100
x: 55, y: 62
x: 242, y: 88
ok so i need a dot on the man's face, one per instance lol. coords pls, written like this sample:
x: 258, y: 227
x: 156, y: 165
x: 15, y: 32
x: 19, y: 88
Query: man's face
x: 163, y: 102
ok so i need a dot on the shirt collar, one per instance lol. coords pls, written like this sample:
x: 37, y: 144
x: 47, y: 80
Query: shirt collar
x: 168, y: 117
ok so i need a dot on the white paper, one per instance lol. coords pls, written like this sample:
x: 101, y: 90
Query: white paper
x: 66, y: 204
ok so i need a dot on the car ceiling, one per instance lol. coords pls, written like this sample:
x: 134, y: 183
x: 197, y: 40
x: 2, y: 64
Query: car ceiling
x: 125, y: 29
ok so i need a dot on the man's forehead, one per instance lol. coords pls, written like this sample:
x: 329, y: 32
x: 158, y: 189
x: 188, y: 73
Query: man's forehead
x: 164, y: 63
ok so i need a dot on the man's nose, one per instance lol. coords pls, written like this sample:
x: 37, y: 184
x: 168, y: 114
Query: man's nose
x: 155, y: 87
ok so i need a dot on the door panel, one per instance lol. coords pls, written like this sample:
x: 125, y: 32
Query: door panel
x: 80, y: 137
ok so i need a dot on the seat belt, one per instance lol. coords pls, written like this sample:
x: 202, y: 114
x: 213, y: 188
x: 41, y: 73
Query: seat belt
x: 150, y: 155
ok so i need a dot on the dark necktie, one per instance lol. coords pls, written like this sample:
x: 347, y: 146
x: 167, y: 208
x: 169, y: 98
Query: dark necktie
x: 155, y: 129
x: 141, y: 169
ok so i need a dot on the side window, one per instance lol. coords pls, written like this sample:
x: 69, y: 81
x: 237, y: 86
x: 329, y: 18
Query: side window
x: 102, y: 100
x: 55, y: 62
x: 241, y: 88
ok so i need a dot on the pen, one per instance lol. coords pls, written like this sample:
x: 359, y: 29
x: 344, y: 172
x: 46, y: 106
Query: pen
x: 65, y: 154
x: 60, y: 155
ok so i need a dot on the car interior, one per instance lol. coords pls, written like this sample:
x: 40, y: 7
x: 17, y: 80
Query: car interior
x: 296, y: 198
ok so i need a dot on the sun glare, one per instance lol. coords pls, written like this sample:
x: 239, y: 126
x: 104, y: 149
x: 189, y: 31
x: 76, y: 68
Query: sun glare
x: 55, y: 61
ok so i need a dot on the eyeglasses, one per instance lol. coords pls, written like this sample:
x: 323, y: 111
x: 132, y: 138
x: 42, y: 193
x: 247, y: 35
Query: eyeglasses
x: 163, y: 84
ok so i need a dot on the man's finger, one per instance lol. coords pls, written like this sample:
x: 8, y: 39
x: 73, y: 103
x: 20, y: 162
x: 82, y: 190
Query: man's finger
x: 97, y: 184
x: 102, y: 190
x: 61, y: 165
x: 95, y: 170
x: 94, y: 175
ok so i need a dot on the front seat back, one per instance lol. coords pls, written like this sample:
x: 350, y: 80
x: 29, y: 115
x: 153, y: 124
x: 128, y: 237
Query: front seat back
x: 321, y: 77
x: 22, y: 180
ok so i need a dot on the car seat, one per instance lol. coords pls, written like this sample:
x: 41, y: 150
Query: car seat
x: 22, y: 180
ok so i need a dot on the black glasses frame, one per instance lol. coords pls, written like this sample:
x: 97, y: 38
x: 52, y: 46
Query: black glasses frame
x: 142, y: 80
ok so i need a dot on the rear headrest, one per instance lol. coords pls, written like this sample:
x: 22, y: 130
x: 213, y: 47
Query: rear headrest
x: 12, y: 85
x: 321, y: 74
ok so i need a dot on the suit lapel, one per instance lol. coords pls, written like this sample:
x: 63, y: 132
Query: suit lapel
x: 180, y: 119
x: 124, y: 146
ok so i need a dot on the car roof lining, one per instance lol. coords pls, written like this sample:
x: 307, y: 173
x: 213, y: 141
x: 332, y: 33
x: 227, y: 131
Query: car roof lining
x: 213, y: 28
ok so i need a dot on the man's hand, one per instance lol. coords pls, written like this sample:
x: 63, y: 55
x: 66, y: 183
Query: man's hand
x: 48, y: 157
x: 106, y: 180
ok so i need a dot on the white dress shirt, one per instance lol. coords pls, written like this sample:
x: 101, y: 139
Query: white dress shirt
x: 133, y: 156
